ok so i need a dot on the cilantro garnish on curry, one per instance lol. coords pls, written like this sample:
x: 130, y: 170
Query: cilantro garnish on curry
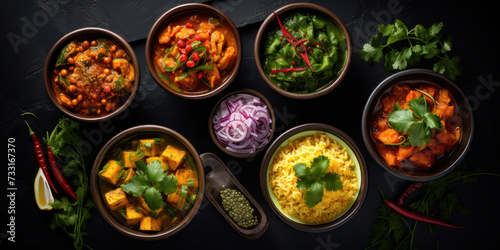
x: 150, y: 183
x: 416, y: 124
x: 305, y: 54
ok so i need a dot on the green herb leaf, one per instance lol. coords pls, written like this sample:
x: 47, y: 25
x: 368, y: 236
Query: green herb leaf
x: 419, y: 134
x: 136, y: 185
x: 153, y: 198
x: 154, y: 171
x: 401, y: 120
x: 168, y: 185
x: 315, y: 179
x: 419, y: 106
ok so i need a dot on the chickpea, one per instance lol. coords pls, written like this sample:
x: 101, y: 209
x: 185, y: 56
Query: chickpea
x: 64, y: 72
x: 56, y: 79
x: 98, y: 111
x: 113, y: 48
x: 104, y: 101
x: 72, y: 80
x: 107, y: 71
x: 106, y: 60
x: 85, y: 44
x: 74, y: 102
x: 71, y: 68
x: 93, y: 43
x: 72, y: 88
x: 78, y: 49
x: 56, y: 71
x: 79, y: 98
x: 109, y: 78
x: 71, y: 60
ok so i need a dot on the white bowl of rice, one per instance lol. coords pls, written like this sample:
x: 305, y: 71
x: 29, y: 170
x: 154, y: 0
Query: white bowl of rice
x: 302, y: 144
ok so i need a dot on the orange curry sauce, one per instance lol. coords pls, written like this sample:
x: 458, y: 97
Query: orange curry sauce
x: 443, y: 140
x: 215, y: 45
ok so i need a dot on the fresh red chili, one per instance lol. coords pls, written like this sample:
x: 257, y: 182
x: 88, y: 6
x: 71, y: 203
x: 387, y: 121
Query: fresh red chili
x: 40, y: 158
x: 408, y: 191
x: 414, y: 215
x: 59, y: 175
x: 274, y: 71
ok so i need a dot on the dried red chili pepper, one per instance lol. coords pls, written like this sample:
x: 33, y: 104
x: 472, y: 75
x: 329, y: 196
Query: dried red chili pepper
x: 414, y: 215
x: 59, y: 175
x: 40, y: 158
x: 408, y: 191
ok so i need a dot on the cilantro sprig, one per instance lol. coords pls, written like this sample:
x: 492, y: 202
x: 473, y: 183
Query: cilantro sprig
x: 149, y: 181
x: 405, y: 47
x: 314, y: 179
x: 418, y: 121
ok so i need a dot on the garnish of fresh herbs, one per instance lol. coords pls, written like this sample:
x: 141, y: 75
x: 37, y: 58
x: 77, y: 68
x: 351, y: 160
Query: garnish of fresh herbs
x: 314, y: 179
x: 149, y: 181
x: 70, y: 216
x: 434, y: 198
x: 418, y: 121
x: 402, y: 48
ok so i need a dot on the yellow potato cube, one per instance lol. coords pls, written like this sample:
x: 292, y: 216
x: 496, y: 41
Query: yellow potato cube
x: 151, y: 159
x: 111, y: 172
x: 116, y: 199
x: 173, y: 157
x: 149, y: 223
x: 148, y: 147
x: 134, y: 214
x: 129, y: 159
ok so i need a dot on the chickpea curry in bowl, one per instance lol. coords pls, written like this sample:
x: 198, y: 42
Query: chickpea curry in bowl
x: 193, y: 51
x: 91, y: 73
x: 146, y: 182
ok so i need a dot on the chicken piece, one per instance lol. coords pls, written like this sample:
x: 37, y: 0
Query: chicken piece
x: 125, y: 68
x: 204, y: 34
x: 187, y: 83
x: 423, y: 159
x: 184, y: 33
x: 175, y: 30
x: 228, y: 59
x: 217, y: 43
x: 164, y: 37
x: 195, y: 18
x: 213, y: 77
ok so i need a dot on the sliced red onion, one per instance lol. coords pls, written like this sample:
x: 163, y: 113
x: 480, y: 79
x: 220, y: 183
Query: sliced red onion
x: 242, y: 123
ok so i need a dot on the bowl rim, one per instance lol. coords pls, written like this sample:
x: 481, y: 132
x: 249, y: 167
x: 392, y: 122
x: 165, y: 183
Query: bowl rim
x: 302, y: 5
x: 82, y: 32
x: 179, y: 10
x: 372, y: 100
x: 357, y: 203
x: 269, y: 108
x: 98, y: 199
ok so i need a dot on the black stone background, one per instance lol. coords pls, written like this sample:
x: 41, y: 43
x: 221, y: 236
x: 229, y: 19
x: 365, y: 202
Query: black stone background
x: 472, y: 24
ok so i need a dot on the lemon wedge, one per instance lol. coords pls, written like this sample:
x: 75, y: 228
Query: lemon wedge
x: 43, y: 194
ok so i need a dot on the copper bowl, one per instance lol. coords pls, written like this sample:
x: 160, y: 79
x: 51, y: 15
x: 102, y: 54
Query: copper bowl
x: 450, y: 159
x: 270, y: 24
x: 98, y: 195
x: 90, y: 32
x: 161, y: 23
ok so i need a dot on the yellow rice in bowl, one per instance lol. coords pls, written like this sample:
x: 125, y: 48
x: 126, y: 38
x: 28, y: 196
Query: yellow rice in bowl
x: 282, y: 179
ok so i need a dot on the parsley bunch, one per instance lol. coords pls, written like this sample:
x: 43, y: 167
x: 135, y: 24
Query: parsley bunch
x: 149, y: 180
x: 314, y: 179
x: 405, y: 48
x: 418, y: 121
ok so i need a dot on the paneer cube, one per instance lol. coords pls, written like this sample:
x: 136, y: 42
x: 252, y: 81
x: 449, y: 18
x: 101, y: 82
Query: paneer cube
x: 151, y: 159
x: 134, y: 214
x: 111, y: 172
x: 183, y: 175
x: 173, y: 157
x: 129, y: 159
x: 148, y: 147
x: 145, y: 208
x: 127, y: 175
x: 116, y: 199
x: 149, y: 223
x: 175, y: 200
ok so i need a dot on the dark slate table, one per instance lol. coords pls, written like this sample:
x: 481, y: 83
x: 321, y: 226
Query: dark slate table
x: 29, y: 29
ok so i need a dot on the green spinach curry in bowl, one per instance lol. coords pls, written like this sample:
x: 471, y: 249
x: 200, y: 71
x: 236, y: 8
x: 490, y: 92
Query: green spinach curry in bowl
x: 303, y: 50
x: 145, y: 182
